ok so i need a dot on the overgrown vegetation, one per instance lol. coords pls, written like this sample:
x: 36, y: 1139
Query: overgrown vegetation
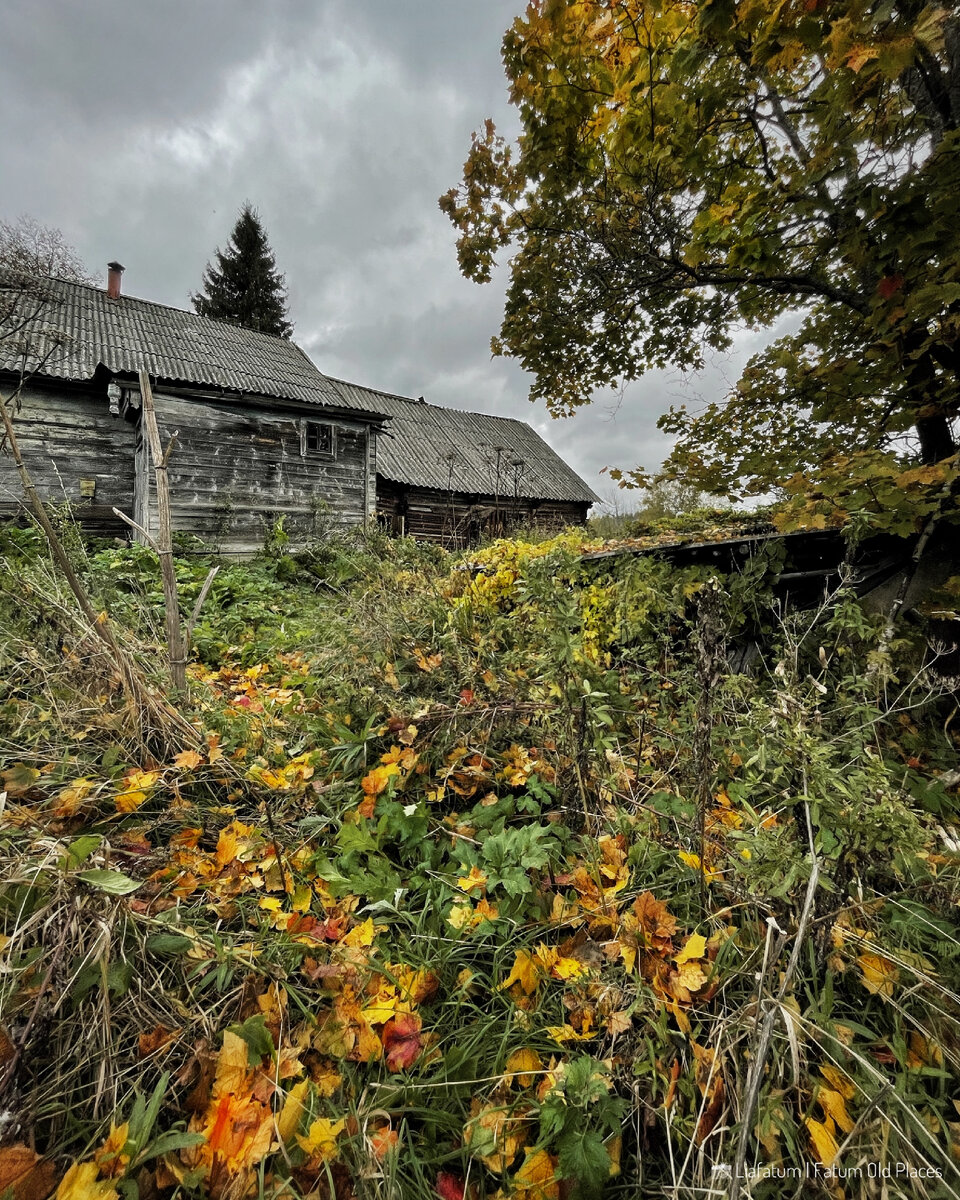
x: 466, y: 891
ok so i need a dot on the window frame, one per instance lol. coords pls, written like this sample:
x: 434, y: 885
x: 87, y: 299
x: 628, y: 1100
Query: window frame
x: 306, y: 451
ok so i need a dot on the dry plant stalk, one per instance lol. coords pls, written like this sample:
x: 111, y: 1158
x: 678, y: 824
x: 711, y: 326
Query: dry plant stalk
x: 99, y: 623
x: 153, y: 714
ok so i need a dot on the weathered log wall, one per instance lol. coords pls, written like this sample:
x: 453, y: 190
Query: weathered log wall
x: 237, y: 471
x: 77, y: 454
x: 458, y: 520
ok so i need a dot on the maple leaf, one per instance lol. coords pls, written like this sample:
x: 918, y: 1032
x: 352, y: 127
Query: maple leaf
x: 475, y: 879
x: 402, y: 1041
x: 188, y: 759
x: 110, y: 1158
x: 657, y: 926
x: 160, y: 1038
x: 321, y: 1139
x: 375, y: 781
x: 695, y: 947
x: 428, y: 663
x: 526, y: 971
x: 415, y: 986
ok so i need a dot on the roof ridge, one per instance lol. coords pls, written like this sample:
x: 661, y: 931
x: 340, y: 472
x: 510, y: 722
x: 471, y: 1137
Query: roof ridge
x: 379, y: 391
x: 423, y: 403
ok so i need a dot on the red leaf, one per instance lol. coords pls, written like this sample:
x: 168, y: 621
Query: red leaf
x: 401, y: 1041
x: 450, y: 1186
x: 466, y: 696
x: 890, y: 284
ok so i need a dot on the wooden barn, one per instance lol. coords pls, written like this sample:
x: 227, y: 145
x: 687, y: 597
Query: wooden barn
x: 451, y: 476
x: 261, y: 435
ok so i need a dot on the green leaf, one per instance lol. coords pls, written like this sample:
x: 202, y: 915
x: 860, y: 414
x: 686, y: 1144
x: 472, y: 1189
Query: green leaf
x: 80, y: 850
x: 114, y: 883
x: 169, y: 943
x: 258, y: 1037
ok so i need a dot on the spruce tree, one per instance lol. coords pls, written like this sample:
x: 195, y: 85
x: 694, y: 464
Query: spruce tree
x: 245, y: 286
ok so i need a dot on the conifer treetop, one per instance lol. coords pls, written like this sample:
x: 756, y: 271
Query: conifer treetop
x: 243, y: 284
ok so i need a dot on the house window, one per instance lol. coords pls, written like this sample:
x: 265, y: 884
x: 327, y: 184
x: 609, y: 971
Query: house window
x: 317, y: 438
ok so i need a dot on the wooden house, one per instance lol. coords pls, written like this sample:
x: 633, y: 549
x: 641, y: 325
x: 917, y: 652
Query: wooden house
x: 451, y: 476
x: 261, y: 435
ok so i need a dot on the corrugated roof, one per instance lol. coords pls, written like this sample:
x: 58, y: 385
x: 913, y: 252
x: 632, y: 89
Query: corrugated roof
x: 82, y: 327
x: 445, y: 448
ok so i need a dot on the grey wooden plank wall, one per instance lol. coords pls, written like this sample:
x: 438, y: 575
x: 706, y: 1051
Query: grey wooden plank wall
x: 237, y: 469
x: 458, y: 520
x: 66, y: 437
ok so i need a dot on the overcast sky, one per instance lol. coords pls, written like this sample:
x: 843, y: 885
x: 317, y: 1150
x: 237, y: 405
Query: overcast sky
x: 139, y: 128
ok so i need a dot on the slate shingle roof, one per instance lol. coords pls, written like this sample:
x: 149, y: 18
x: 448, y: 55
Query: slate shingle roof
x: 128, y: 334
x: 447, y: 449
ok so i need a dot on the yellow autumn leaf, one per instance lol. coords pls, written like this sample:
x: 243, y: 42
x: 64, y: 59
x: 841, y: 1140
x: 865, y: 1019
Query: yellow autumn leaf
x: 475, y: 879
x: 525, y: 971
x: 127, y: 802
x: 292, y: 1110
x: 493, y: 1136
x: 691, y: 976
x: 695, y: 947
x: 360, y: 935
x: 838, y: 1081
x: 693, y: 862
x: 536, y: 1178
x: 188, y: 759
x: 833, y: 1106
x: 522, y: 1066
x: 566, y: 1033
x: 821, y: 1138
x: 110, y: 1158
x: 321, y: 1139
x: 878, y: 974
x: 81, y: 1183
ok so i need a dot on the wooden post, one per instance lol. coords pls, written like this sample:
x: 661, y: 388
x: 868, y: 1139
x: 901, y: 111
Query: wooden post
x: 176, y: 656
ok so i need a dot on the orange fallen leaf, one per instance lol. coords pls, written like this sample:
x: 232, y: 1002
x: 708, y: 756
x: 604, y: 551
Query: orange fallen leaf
x: 24, y: 1174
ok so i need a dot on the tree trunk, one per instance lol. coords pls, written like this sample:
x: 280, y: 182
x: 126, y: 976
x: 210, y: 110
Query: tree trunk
x: 936, y: 438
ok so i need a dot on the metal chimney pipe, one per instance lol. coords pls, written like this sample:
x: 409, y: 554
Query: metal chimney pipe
x: 114, y: 272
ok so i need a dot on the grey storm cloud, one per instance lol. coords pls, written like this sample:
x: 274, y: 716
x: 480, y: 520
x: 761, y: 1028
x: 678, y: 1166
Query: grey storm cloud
x: 139, y: 129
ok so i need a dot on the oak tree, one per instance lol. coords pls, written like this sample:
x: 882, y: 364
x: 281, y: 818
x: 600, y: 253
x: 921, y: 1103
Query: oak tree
x: 243, y: 284
x: 686, y: 168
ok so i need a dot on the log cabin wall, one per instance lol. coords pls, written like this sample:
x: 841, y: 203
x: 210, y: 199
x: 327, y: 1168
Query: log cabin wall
x: 238, y: 469
x: 77, y: 454
x: 458, y: 520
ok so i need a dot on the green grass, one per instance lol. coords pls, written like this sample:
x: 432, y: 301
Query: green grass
x: 540, y: 717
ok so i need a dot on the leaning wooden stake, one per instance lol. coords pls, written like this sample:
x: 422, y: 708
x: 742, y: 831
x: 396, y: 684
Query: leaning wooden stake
x: 176, y: 656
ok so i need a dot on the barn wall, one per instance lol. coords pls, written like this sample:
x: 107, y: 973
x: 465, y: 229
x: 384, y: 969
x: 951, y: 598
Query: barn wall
x: 459, y: 520
x: 67, y: 435
x: 238, y: 469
